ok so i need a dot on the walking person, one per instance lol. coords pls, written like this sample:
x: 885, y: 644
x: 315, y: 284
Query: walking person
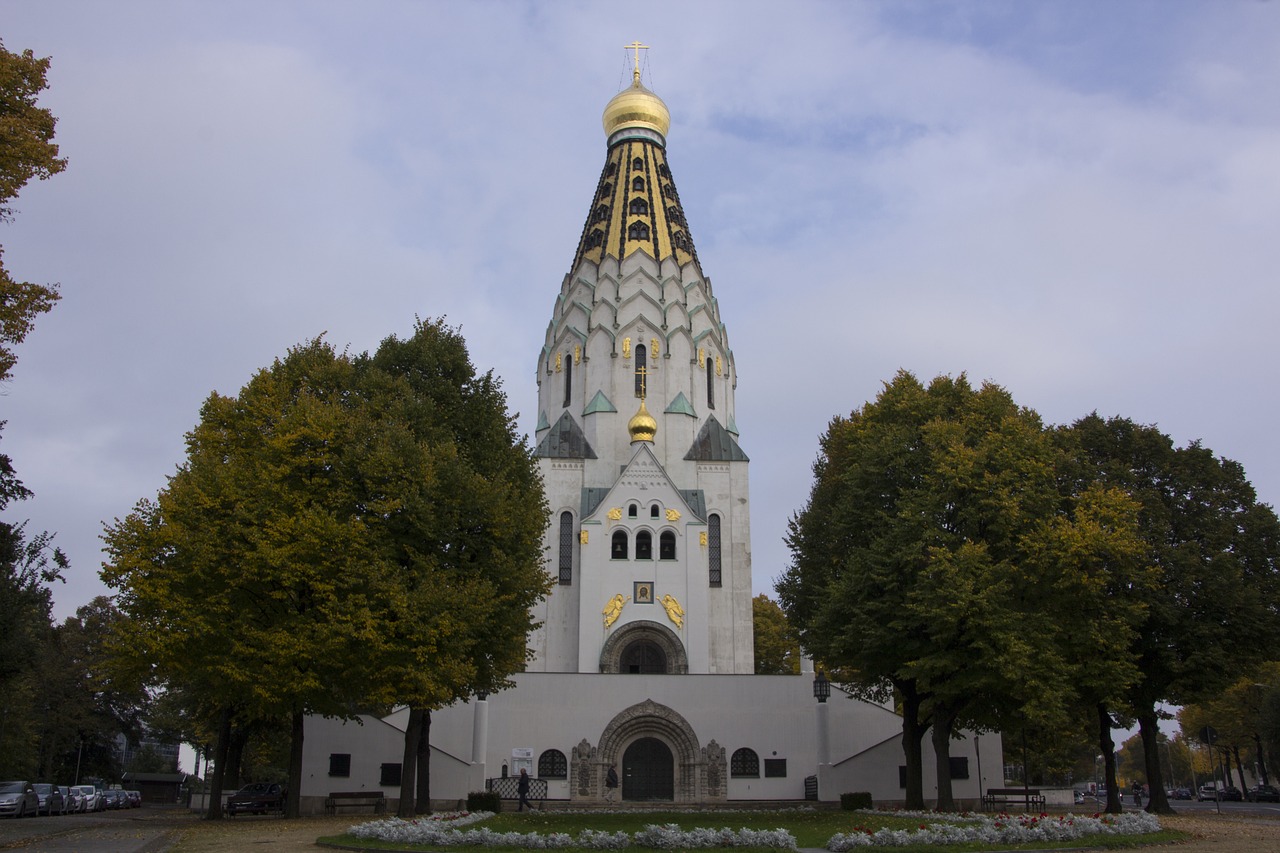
x: 610, y: 784
x: 522, y: 788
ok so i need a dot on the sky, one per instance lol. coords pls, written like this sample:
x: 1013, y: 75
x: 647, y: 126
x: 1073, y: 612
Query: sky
x: 1078, y: 201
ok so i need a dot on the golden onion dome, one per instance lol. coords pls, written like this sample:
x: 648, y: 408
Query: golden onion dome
x: 642, y: 426
x: 636, y: 107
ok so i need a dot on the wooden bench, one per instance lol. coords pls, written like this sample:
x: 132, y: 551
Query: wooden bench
x: 1029, y: 798
x: 508, y: 788
x: 355, y: 800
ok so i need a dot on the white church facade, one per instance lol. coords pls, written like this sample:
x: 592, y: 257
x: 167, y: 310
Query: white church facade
x: 644, y: 658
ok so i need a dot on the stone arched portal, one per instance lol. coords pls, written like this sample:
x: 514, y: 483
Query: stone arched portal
x: 644, y: 631
x: 699, y: 772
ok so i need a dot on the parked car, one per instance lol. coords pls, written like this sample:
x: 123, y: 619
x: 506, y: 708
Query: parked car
x: 257, y: 798
x: 1207, y: 792
x: 134, y: 799
x: 113, y: 798
x: 70, y: 799
x: 1181, y: 794
x: 90, y: 798
x: 19, y: 799
x: 1233, y: 795
x: 1263, y: 794
x: 51, y: 800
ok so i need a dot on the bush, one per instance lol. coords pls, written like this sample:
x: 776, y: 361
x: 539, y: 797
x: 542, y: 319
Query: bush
x: 854, y: 800
x: 484, y: 801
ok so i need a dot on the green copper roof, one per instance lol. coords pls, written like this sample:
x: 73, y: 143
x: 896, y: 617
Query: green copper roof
x: 681, y: 406
x: 599, y: 403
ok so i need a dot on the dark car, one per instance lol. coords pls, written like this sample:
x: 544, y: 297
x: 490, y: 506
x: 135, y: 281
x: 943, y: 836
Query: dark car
x: 1263, y: 794
x: 19, y: 799
x: 113, y: 798
x: 1232, y: 795
x: 1181, y: 794
x: 257, y: 798
x: 134, y: 799
x: 51, y: 799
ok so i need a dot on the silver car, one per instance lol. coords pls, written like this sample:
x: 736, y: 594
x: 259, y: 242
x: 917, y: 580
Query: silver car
x: 19, y: 799
x: 90, y: 798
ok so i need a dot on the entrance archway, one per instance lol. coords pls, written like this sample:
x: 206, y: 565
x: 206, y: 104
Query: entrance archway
x: 643, y: 657
x: 674, y: 659
x: 648, y: 771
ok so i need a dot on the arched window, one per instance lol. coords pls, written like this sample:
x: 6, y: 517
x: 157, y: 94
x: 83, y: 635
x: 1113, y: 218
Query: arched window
x: 743, y: 764
x: 713, y: 550
x: 552, y: 765
x: 601, y: 214
x: 638, y: 206
x: 607, y: 189
x: 638, y: 231
x: 637, y: 184
x: 566, y: 548
x: 637, y: 164
x: 633, y: 511
x: 611, y: 169
x: 668, y: 190
x: 595, y: 238
x: 667, y: 545
x: 642, y: 368
x: 711, y: 383
x: 653, y: 511
x: 568, y: 379
x: 644, y: 545
x: 663, y: 170
x: 643, y: 657
x: 618, y: 548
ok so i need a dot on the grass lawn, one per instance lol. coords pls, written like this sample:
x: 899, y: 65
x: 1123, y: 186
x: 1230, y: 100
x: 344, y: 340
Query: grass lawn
x: 810, y: 828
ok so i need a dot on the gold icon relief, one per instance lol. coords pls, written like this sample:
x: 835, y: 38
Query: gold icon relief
x: 615, y: 513
x: 702, y: 539
x: 559, y: 357
x: 577, y: 354
x: 719, y: 369
x: 613, y: 609
x: 582, y: 537
x: 653, y: 347
x: 702, y: 355
x: 674, y: 611
x: 673, y: 515
x: 626, y: 347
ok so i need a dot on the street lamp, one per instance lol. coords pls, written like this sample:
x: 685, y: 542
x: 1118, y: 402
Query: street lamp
x: 821, y: 688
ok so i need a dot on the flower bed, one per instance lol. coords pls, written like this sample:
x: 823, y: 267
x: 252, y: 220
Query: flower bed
x: 997, y: 829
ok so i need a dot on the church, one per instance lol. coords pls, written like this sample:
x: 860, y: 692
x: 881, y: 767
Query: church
x: 644, y: 658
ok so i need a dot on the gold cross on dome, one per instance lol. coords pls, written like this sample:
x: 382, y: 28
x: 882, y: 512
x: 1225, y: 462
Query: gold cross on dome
x: 637, y: 47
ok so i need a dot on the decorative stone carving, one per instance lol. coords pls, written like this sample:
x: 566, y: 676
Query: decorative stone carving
x: 583, y: 764
x: 713, y: 759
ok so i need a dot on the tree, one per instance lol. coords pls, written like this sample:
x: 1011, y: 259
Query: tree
x: 938, y: 558
x: 346, y: 534
x: 27, y: 151
x: 777, y: 650
x: 1215, y: 552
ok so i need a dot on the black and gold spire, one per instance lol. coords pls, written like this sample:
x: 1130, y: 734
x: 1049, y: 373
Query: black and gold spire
x: 636, y: 206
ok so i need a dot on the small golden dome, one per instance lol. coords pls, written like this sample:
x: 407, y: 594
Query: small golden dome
x: 636, y: 106
x: 642, y: 426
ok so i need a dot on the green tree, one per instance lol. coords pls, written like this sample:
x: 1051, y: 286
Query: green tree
x: 27, y: 151
x: 938, y: 559
x: 1215, y: 554
x: 346, y: 534
x: 777, y: 650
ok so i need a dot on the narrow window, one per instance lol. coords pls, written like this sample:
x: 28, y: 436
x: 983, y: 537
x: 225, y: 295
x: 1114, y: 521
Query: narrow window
x: 633, y: 511
x: 642, y: 370
x: 602, y: 213
x: 653, y: 511
x: 713, y: 549
x: 744, y: 764
x: 566, y: 548
x: 638, y: 206
x: 552, y: 765
x: 637, y: 164
x: 339, y: 764
x: 638, y: 184
x: 644, y: 545
x: 638, y: 231
x: 568, y: 380
x: 667, y: 545
x: 618, y: 550
x: 711, y: 384
x: 390, y: 776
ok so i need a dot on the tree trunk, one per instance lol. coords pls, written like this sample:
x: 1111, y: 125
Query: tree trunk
x: 1262, y: 760
x: 913, y: 730
x: 942, y: 723
x: 1149, y: 727
x: 409, y: 764
x: 221, y: 747
x: 423, y: 805
x: 1239, y: 770
x: 235, y: 757
x: 293, y: 801
x: 1107, y: 747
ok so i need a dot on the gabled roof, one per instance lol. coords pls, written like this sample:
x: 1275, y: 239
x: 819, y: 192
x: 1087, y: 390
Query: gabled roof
x: 565, y: 441
x: 715, y: 444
